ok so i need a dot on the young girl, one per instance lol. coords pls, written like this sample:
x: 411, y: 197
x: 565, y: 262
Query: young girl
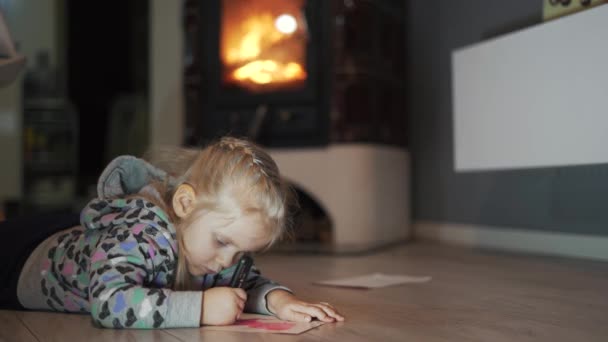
x: 156, y: 249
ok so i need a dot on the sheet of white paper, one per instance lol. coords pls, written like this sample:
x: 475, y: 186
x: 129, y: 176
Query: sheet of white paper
x: 266, y: 324
x: 374, y: 280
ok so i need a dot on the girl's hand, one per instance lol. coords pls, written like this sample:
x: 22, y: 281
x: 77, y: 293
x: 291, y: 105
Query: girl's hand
x: 287, y: 307
x: 222, y: 305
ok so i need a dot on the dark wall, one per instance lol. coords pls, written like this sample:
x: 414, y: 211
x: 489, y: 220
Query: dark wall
x: 565, y: 199
x: 107, y: 58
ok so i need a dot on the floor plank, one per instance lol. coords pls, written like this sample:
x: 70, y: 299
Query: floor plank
x: 475, y: 295
x: 48, y: 326
x: 12, y: 329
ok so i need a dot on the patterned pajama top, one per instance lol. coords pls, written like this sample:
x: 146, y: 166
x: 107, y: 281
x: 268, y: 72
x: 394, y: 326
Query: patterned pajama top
x: 120, y: 263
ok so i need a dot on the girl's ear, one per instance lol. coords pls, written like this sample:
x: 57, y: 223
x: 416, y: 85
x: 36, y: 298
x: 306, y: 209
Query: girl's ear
x: 184, y: 199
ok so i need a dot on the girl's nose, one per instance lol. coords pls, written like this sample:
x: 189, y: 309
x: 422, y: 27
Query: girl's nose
x: 226, y: 259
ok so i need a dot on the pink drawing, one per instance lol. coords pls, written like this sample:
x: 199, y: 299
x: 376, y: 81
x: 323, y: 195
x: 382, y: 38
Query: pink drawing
x: 265, y: 324
x: 261, y: 324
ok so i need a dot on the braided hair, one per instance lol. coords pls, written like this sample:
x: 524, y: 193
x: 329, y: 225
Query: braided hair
x: 232, y: 176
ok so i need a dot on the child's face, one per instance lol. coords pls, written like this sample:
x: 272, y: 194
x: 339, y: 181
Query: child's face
x: 214, y: 242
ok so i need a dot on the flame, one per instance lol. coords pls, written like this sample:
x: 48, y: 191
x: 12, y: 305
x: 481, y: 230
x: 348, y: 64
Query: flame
x: 257, y: 31
x: 267, y: 71
x: 255, y: 53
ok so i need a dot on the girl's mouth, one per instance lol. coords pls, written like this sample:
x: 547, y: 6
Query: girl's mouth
x: 209, y: 271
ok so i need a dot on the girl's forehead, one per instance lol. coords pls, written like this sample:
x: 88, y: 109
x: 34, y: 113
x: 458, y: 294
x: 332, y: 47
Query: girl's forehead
x: 246, y: 232
x: 225, y: 219
x: 243, y: 230
x: 247, y: 225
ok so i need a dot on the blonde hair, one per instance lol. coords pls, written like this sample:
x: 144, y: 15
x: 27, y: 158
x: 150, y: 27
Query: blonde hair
x: 232, y: 176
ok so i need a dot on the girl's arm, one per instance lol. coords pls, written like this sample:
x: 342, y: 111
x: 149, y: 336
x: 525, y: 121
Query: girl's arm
x: 268, y: 297
x: 120, y: 266
x: 257, y: 288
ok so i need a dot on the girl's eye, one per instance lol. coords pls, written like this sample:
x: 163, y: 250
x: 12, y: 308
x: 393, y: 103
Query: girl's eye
x: 220, y: 242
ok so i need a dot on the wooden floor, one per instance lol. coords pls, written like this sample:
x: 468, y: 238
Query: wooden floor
x: 474, y: 296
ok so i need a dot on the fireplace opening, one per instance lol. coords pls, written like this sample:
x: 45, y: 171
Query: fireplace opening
x: 312, y: 226
x: 311, y: 221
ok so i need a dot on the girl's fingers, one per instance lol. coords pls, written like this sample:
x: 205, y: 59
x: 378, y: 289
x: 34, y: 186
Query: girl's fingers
x: 335, y: 311
x: 300, y: 317
x: 239, y: 300
x: 330, y: 311
x: 314, y: 311
x: 333, y: 308
x: 329, y: 305
x: 241, y: 293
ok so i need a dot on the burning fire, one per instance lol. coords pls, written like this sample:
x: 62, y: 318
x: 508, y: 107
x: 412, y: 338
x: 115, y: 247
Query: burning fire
x: 266, y: 71
x: 262, y: 45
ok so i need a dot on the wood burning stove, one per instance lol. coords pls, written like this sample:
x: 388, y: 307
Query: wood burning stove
x: 321, y: 83
x: 251, y: 79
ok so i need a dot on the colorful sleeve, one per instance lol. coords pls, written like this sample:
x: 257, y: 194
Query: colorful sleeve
x: 257, y: 288
x: 122, y: 269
